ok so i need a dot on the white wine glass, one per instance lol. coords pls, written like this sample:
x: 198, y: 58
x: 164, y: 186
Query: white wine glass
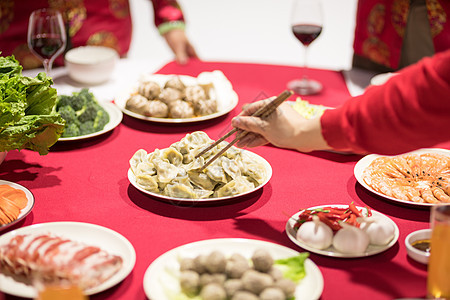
x: 46, y: 36
x: 306, y: 23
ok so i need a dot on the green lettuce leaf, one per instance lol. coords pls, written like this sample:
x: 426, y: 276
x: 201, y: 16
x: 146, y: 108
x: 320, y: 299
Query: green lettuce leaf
x: 28, y: 117
x: 293, y: 267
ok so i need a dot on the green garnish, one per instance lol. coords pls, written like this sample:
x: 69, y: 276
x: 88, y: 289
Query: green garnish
x: 293, y: 267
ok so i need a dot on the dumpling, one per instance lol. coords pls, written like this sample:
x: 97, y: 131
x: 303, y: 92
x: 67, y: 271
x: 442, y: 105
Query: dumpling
x: 164, y: 170
x: 181, y: 109
x: 231, y: 167
x: 205, y: 107
x: 149, y: 89
x: 147, y: 182
x: 202, y: 180
x: 175, y: 83
x: 216, y: 172
x: 137, y: 104
x: 234, y: 187
x: 194, y: 94
x: 157, y: 109
x: 172, y: 156
x: 137, y: 157
x: 178, y: 190
x: 145, y: 168
x: 170, y: 95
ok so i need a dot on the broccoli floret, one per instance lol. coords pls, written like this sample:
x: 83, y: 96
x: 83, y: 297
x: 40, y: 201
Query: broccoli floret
x: 87, y: 128
x: 63, y: 100
x: 68, y: 114
x: 88, y: 112
x: 101, y: 119
x: 71, y: 130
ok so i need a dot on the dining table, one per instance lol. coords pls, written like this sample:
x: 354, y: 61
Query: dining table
x: 86, y: 181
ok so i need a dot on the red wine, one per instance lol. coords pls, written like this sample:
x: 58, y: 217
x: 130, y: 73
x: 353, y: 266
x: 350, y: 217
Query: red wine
x: 46, y: 45
x: 306, y: 33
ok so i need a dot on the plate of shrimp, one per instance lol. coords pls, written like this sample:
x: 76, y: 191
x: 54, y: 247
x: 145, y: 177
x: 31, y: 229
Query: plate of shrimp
x: 419, y: 178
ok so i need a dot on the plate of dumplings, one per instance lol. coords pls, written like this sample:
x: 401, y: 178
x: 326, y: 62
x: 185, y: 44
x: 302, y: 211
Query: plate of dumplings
x: 174, y: 174
x: 178, y: 98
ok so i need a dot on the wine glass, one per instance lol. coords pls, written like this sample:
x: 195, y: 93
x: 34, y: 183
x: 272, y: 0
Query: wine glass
x: 307, y: 22
x: 46, y: 36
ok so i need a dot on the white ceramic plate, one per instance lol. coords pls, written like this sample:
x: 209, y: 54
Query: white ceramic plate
x: 115, y: 117
x: 89, y: 234
x: 256, y: 157
x: 310, y: 110
x: 226, y: 97
x: 161, y: 274
x: 26, y: 210
x: 364, y: 162
x: 331, y: 251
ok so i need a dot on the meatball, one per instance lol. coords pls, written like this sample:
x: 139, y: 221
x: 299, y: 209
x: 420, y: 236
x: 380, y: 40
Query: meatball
x: 205, y: 107
x: 149, y: 89
x: 231, y: 286
x: 287, y: 286
x: 200, y: 263
x: 236, y: 267
x: 137, y: 104
x: 255, y: 281
x: 207, y: 278
x: 181, y: 109
x: 189, y: 282
x: 272, y: 293
x: 213, y: 291
x: 276, y: 273
x: 216, y: 262
x: 175, y: 83
x: 194, y: 93
x: 157, y: 109
x: 187, y: 264
x: 170, y: 95
x: 244, y: 295
x: 262, y: 260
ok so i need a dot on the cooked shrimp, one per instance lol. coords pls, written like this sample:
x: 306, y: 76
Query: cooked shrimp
x: 440, y: 195
x: 428, y: 196
x: 413, y: 177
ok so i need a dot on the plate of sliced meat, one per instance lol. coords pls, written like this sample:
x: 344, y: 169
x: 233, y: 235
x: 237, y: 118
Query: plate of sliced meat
x: 90, y: 256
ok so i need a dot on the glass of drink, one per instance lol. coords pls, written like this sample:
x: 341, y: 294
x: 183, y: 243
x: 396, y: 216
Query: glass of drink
x: 46, y: 36
x: 438, y: 284
x: 306, y: 22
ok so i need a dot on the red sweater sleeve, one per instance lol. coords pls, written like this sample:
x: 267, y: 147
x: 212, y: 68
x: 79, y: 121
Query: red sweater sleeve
x: 411, y: 111
x: 166, y: 11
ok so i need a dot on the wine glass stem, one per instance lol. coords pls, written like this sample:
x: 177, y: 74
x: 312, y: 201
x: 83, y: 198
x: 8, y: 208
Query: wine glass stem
x: 305, y: 64
x: 47, y: 66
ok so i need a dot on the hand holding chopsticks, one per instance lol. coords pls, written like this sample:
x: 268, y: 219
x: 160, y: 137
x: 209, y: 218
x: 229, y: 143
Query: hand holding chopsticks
x: 262, y: 113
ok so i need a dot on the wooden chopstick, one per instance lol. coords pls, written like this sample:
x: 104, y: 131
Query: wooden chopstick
x: 262, y: 113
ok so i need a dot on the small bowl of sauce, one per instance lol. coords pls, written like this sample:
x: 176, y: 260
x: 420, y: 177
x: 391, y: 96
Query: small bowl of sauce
x: 418, y: 245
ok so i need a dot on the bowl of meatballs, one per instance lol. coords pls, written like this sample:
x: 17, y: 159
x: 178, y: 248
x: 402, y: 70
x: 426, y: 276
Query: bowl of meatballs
x: 178, y: 98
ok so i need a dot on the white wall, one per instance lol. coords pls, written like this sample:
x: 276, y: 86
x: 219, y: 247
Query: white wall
x: 249, y: 31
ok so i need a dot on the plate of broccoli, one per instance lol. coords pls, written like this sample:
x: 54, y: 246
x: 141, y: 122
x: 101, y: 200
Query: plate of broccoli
x: 85, y: 116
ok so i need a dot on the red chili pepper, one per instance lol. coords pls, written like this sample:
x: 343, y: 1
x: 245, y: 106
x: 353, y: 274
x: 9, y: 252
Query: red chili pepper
x: 345, y: 215
x: 353, y: 208
x: 336, y: 210
x: 333, y: 224
x: 352, y: 220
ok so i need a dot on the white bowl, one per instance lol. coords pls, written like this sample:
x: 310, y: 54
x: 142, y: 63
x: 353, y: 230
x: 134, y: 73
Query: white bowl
x: 91, y: 64
x: 416, y: 254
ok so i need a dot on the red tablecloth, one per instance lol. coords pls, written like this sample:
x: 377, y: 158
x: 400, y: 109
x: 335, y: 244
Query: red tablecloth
x: 87, y: 182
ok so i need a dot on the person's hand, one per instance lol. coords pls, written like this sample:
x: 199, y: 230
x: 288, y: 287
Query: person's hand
x: 283, y: 128
x: 180, y: 45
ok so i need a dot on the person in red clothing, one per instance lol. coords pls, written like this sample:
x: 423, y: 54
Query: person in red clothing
x: 392, y: 34
x: 99, y: 22
x: 410, y: 111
